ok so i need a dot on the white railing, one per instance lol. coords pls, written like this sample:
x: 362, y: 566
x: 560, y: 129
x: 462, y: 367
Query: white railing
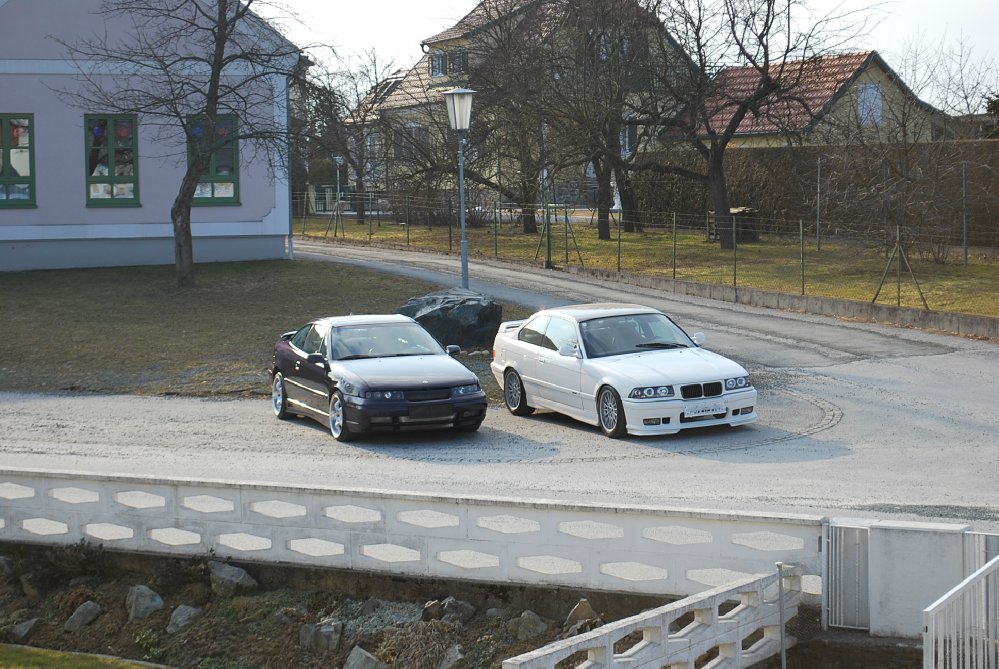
x: 678, y: 634
x: 961, y: 629
x: 647, y: 550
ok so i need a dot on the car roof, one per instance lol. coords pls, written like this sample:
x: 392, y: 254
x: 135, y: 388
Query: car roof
x: 363, y: 319
x: 584, y: 312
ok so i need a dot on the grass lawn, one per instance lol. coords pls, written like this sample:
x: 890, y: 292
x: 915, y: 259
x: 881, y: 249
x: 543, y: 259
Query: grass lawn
x: 130, y: 330
x: 842, y: 268
x: 12, y: 657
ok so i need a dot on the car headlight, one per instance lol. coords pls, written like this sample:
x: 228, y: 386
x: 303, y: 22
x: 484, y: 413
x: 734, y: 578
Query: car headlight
x: 347, y: 388
x: 738, y: 383
x: 384, y: 395
x: 651, y: 393
x: 470, y: 389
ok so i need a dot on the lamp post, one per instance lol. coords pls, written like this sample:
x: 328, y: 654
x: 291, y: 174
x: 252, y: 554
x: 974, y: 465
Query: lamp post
x: 459, y: 111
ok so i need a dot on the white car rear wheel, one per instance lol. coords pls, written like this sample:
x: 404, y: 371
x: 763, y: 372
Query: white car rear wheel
x: 514, y: 395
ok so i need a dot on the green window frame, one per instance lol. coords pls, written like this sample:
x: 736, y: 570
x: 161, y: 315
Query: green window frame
x: 112, y: 160
x: 220, y: 184
x: 17, y: 161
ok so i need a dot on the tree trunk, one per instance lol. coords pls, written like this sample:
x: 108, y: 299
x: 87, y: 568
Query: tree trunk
x: 529, y: 218
x: 719, y: 197
x: 605, y: 198
x: 630, y: 215
x: 180, y: 216
x: 360, y: 201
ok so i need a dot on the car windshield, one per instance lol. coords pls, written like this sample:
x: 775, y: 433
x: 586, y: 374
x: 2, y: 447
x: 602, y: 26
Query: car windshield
x: 382, y: 340
x: 631, y: 333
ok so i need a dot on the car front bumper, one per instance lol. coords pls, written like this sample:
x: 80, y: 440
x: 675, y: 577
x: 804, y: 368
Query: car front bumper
x: 365, y: 415
x: 652, y: 417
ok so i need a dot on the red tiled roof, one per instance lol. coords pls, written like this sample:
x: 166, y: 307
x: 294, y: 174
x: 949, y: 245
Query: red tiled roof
x: 819, y: 82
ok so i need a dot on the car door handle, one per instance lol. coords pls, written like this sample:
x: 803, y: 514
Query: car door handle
x: 298, y: 366
x: 541, y: 360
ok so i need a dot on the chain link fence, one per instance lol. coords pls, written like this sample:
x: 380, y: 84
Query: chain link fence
x: 883, y: 263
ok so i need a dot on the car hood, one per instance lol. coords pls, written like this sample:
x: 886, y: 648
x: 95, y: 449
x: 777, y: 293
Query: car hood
x: 674, y: 366
x: 416, y: 371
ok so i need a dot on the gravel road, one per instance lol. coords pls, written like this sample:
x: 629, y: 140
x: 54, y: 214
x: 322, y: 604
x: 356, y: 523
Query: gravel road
x: 855, y: 420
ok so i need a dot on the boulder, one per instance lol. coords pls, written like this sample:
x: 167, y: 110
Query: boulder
x: 6, y: 566
x: 228, y: 579
x: 457, y: 316
x: 142, y: 601
x: 22, y: 632
x: 453, y: 655
x: 527, y: 626
x: 433, y: 610
x: 320, y: 637
x: 581, y: 611
x: 362, y: 659
x: 181, y: 617
x: 456, y: 610
x: 370, y: 607
x: 85, y: 614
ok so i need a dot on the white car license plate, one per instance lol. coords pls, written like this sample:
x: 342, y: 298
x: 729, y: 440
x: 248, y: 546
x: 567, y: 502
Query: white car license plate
x: 702, y: 409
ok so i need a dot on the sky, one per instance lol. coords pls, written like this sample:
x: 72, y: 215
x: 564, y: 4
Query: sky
x: 394, y: 28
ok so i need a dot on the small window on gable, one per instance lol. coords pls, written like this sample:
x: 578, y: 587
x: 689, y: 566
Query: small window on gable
x: 220, y: 184
x: 457, y: 62
x: 17, y: 161
x: 870, y: 105
x: 112, y: 166
x: 438, y: 64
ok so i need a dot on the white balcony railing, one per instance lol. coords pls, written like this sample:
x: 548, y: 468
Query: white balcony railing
x: 961, y: 629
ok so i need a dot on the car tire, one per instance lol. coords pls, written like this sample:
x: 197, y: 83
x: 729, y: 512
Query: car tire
x: 279, y: 397
x: 610, y: 413
x: 514, y: 395
x: 338, y: 418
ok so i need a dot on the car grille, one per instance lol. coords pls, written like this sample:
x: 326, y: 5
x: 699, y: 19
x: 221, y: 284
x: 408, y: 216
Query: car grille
x: 694, y: 390
x: 428, y: 395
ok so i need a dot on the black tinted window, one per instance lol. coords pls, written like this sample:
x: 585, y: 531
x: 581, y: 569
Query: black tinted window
x: 534, y: 331
x: 298, y: 341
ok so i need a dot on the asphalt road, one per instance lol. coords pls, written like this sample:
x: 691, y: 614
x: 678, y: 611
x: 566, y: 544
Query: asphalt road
x: 856, y: 420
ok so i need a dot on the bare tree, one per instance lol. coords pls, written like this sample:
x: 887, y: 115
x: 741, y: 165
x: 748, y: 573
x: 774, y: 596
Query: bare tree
x: 766, y: 39
x: 201, y: 73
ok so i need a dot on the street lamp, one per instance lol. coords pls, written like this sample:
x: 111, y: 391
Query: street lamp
x: 459, y: 111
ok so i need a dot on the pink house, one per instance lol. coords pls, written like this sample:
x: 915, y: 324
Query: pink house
x: 83, y: 187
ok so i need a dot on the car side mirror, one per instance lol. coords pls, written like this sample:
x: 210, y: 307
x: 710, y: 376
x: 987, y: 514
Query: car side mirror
x: 453, y: 350
x: 699, y: 338
x: 317, y: 359
x: 569, y: 350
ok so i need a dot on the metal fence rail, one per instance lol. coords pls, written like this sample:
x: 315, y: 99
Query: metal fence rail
x: 679, y: 634
x: 961, y: 629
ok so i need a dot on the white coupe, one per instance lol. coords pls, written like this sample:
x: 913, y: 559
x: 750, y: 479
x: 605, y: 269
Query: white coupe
x: 624, y: 367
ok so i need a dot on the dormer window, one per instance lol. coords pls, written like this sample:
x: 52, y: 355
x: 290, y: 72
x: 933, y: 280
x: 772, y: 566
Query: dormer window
x: 443, y: 63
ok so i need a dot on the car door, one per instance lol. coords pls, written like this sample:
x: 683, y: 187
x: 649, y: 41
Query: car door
x: 312, y: 376
x: 558, y: 375
x: 528, y: 351
x: 289, y: 362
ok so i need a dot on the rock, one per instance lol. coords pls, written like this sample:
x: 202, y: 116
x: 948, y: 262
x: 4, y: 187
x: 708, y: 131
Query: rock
x: 141, y: 602
x: 290, y: 614
x: 181, y: 617
x: 85, y: 614
x: 22, y: 632
x: 6, y: 566
x: 228, y: 579
x: 527, y: 626
x: 83, y: 582
x: 456, y: 610
x: 457, y: 316
x: 320, y: 637
x: 362, y: 659
x: 370, y: 607
x: 433, y: 610
x: 581, y: 611
x: 581, y: 627
x: 451, y: 657
x: 29, y: 588
x: 497, y: 613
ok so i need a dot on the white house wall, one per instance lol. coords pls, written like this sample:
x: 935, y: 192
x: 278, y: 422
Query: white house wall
x: 61, y: 231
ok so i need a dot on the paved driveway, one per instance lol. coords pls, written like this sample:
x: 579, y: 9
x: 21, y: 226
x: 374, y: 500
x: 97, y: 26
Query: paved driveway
x: 855, y: 420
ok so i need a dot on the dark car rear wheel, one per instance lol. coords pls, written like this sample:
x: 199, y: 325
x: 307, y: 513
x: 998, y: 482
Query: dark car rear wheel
x: 279, y: 398
x: 514, y: 395
x: 610, y: 413
x: 338, y: 418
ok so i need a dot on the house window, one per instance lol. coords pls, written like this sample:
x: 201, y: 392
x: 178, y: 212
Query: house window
x: 457, y: 62
x: 17, y: 160
x: 112, y: 165
x: 220, y: 184
x: 438, y: 64
x: 870, y: 105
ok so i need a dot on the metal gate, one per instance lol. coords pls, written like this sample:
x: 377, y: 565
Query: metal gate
x: 845, y: 597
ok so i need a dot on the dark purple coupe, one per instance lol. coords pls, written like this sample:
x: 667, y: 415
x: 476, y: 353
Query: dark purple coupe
x: 373, y: 373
